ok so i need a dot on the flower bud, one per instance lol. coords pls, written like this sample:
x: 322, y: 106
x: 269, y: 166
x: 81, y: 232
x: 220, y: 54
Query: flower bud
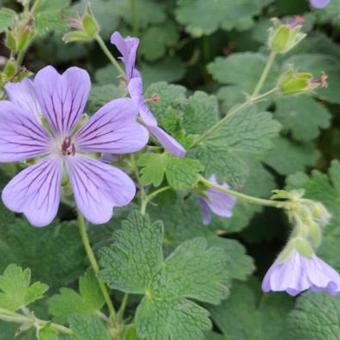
x: 87, y: 27
x: 292, y: 82
x: 283, y: 37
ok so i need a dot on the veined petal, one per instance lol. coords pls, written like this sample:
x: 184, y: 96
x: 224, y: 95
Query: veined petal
x: 23, y: 95
x: 35, y: 191
x: 169, y: 143
x: 135, y: 88
x: 21, y: 136
x: 128, y: 48
x: 112, y: 129
x: 206, y: 214
x: 98, y: 187
x: 62, y: 97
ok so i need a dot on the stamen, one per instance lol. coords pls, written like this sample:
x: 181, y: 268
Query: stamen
x: 67, y: 147
x: 155, y: 98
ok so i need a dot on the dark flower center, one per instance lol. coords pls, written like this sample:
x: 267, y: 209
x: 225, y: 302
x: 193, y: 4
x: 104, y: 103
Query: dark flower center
x: 67, y: 147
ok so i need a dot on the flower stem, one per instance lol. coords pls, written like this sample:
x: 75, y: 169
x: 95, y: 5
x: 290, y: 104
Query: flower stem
x: 123, y: 305
x: 247, y: 198
x: 149, y: 197
x: 264, y: 74
x: 109, y: 55
x: 10, y: 316
x: 93, y: 262
x: 134, y: 17
x: 250, y: 101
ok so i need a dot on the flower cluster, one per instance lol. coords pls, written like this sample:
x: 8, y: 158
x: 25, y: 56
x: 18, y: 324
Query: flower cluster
x: 298, y: 268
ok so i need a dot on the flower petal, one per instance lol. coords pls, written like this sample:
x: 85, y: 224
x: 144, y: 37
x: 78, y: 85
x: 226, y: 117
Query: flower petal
x: 319, y: 3
x: 206, y: 215
x: 98, y: 187
x: 35, y: 191
x: 23, y: 95
x: 62, y: 97
x: 112, y: 129
x: 168, y: 142
x: 128, y: 48
x: 135, y: 88
x: 21, y: 136
x: 220, y: 203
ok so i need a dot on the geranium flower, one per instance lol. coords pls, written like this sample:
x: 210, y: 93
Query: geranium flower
x: 299, y: 273
x: 40, y: 119
x: 128, y: 49
x: 216, y: 201
x: 319, y: 3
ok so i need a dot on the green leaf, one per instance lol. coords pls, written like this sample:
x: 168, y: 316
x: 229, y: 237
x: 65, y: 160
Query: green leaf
x: 48, y: 333
x: 315, y: 317
x: 200, y: 113
x: 205, y: 17
x: 168, y: 70
x: 243, y: 317
x: 226, y: 152
x: 165, y: 311
x: 100, y: 95
x: 88, y: 327
x: 156, y: 39
x: 171, y: 98
x: 69, y: 303
x: 242, y: 69
x: 302, y: 116
x: 288, y: 157
x: 171, y: 319
x: 180, y: 173
x: 7, y: 17
x: 39, y: 248
x: 15, y: 289
x: 326, y: 189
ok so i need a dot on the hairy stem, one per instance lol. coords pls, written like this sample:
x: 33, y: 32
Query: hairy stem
x: 123, y: 305
x: 91, y: 257
x: 10, y: 316
x: 109, y: 55
x: 150, y: 197
x: 250, y: 101
x: 134, y: 17
x: 264, y: 74
x: 247, y: 198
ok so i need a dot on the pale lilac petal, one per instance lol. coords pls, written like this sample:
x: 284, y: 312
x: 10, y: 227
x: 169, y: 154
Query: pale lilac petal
x: 128, y: 48
x: 220, y: 203
x: 135, y: 88
x: 319, y: 3
x: 206, y: 215
x: 23, y: 94
x: 300, y: 273
x: 35, y: 191
x: 98, y: 188
x: 21, y: 136
x: 113, y: 129
x: 169, y: 143
x: 62, y: 97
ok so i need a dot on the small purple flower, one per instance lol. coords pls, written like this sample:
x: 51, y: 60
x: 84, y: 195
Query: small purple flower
x: 300, y: 273
x: 128, y: 49
x: 59, y: 101
x: 319, y: 3
x: 216, y: 201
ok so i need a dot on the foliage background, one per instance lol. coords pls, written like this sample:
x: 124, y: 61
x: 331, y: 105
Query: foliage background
x: 213, y: 51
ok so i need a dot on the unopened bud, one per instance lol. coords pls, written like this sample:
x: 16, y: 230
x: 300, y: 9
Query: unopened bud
x: 283, y: 37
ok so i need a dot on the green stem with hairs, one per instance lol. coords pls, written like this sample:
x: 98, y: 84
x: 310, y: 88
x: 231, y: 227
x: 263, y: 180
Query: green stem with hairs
x: 264, y: 74
x: 10, y: 316
x: 91, y: 257
x: 109, y: 55
x: 247, y: 198
x: 150, y: 197
x: 250, y: 101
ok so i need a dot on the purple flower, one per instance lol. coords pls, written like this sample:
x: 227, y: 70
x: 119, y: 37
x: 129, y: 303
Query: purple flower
x: 300, y: 273
x: 319, y: 3
x: 216, y: 201
x: 58, y: 101
x: 128, y: 48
